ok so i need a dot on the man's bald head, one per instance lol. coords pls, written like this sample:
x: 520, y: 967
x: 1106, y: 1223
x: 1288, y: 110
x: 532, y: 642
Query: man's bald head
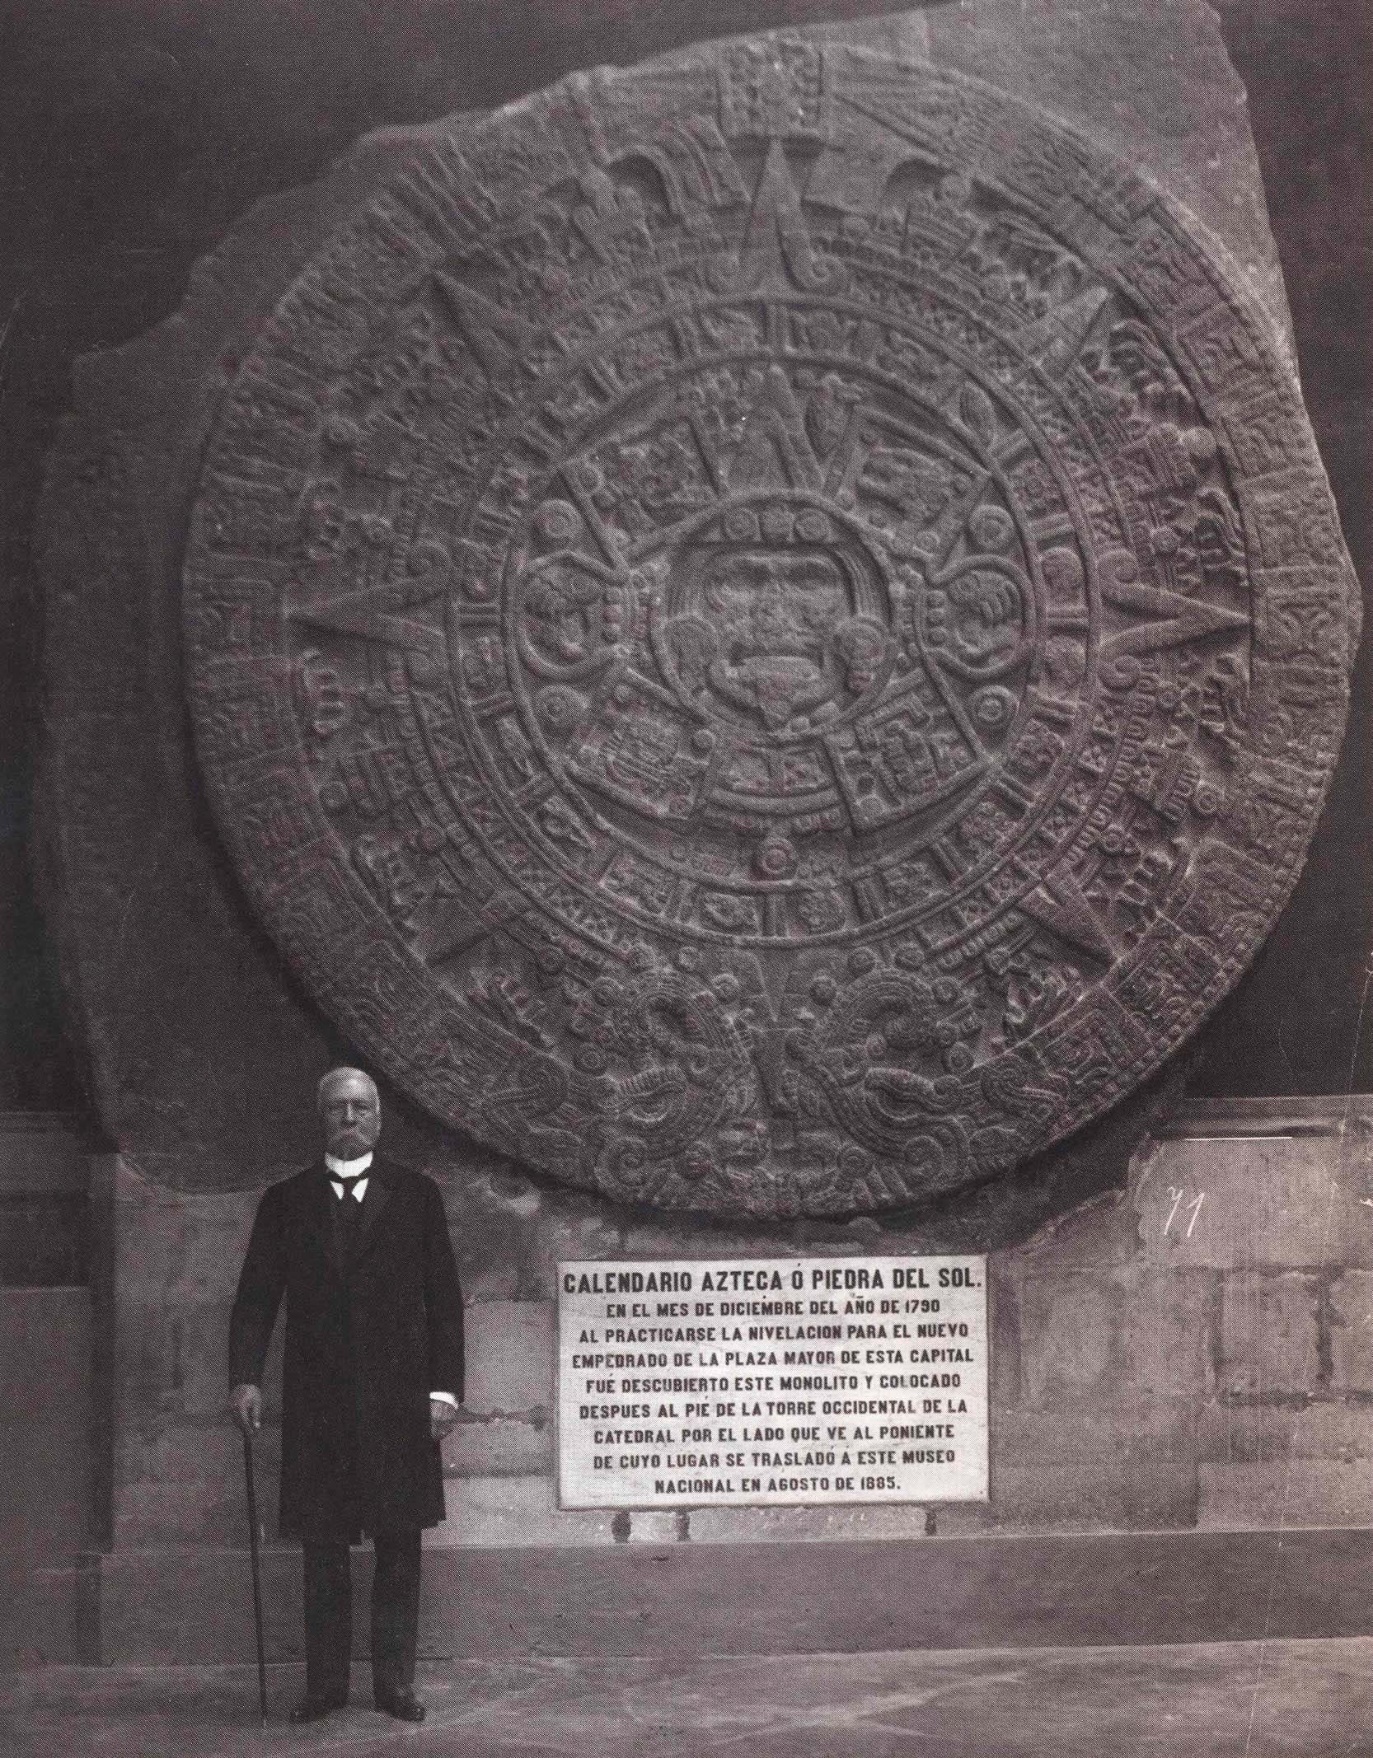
x: 341, y: 1077
x: 350, y: 1108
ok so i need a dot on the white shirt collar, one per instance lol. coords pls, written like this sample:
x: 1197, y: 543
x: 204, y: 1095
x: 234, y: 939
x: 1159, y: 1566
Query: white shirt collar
x: 348, y: 1168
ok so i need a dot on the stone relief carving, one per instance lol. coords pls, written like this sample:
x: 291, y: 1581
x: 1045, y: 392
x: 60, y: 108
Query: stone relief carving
x: 766, y: 631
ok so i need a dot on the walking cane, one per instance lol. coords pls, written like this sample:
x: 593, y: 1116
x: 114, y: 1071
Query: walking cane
x: 257, y: 1574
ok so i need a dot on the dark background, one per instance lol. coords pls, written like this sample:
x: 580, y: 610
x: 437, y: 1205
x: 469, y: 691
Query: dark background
x: 132, y: 133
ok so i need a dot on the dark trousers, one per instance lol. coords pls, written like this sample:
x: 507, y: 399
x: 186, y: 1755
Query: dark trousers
x: 329, y: 1614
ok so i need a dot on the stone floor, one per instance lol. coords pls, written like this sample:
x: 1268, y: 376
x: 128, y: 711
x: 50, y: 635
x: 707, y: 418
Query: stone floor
x: 1253, y: 1700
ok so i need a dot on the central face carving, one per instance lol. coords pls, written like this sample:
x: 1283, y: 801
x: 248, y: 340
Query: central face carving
x: 773, y: 634
x: 777, y: 615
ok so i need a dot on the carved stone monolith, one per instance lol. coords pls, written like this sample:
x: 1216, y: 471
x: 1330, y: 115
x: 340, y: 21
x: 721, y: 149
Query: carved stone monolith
x: 766, y: 632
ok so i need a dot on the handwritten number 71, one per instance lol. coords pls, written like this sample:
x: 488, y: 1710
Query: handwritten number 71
x: 1192, y: 1208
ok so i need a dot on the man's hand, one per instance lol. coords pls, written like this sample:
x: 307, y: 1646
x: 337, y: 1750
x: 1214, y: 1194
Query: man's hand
x: 245, y: 1406
x: 442, y: 1416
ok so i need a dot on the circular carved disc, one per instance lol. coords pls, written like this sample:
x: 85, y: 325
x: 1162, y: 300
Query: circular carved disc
x: 766, y: 632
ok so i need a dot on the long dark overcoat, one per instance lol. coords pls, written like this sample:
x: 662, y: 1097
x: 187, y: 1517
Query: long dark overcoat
x: 369, y: 1335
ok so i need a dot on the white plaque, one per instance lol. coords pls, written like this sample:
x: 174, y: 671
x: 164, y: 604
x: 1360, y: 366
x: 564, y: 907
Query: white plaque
x: 780, y: 1381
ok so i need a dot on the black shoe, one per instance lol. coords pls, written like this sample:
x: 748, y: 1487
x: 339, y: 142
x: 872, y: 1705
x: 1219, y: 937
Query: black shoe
x: 316, y: 1708
x: 402, y: 1703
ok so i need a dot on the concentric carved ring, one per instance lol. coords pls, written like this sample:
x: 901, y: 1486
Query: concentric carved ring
x: 766, y: 632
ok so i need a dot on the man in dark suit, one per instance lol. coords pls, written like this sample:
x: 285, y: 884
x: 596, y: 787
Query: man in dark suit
x: 372, y: 1380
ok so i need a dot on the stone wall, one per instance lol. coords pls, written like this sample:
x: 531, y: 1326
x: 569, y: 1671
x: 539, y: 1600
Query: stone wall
x: 51, y: 1429
x: 1195, y: 1352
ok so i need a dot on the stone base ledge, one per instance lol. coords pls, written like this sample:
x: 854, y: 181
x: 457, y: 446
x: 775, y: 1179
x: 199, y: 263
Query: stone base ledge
x: 195, y: 1607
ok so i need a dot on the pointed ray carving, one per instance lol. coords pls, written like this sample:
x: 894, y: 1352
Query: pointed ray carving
x: 778, y: 251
